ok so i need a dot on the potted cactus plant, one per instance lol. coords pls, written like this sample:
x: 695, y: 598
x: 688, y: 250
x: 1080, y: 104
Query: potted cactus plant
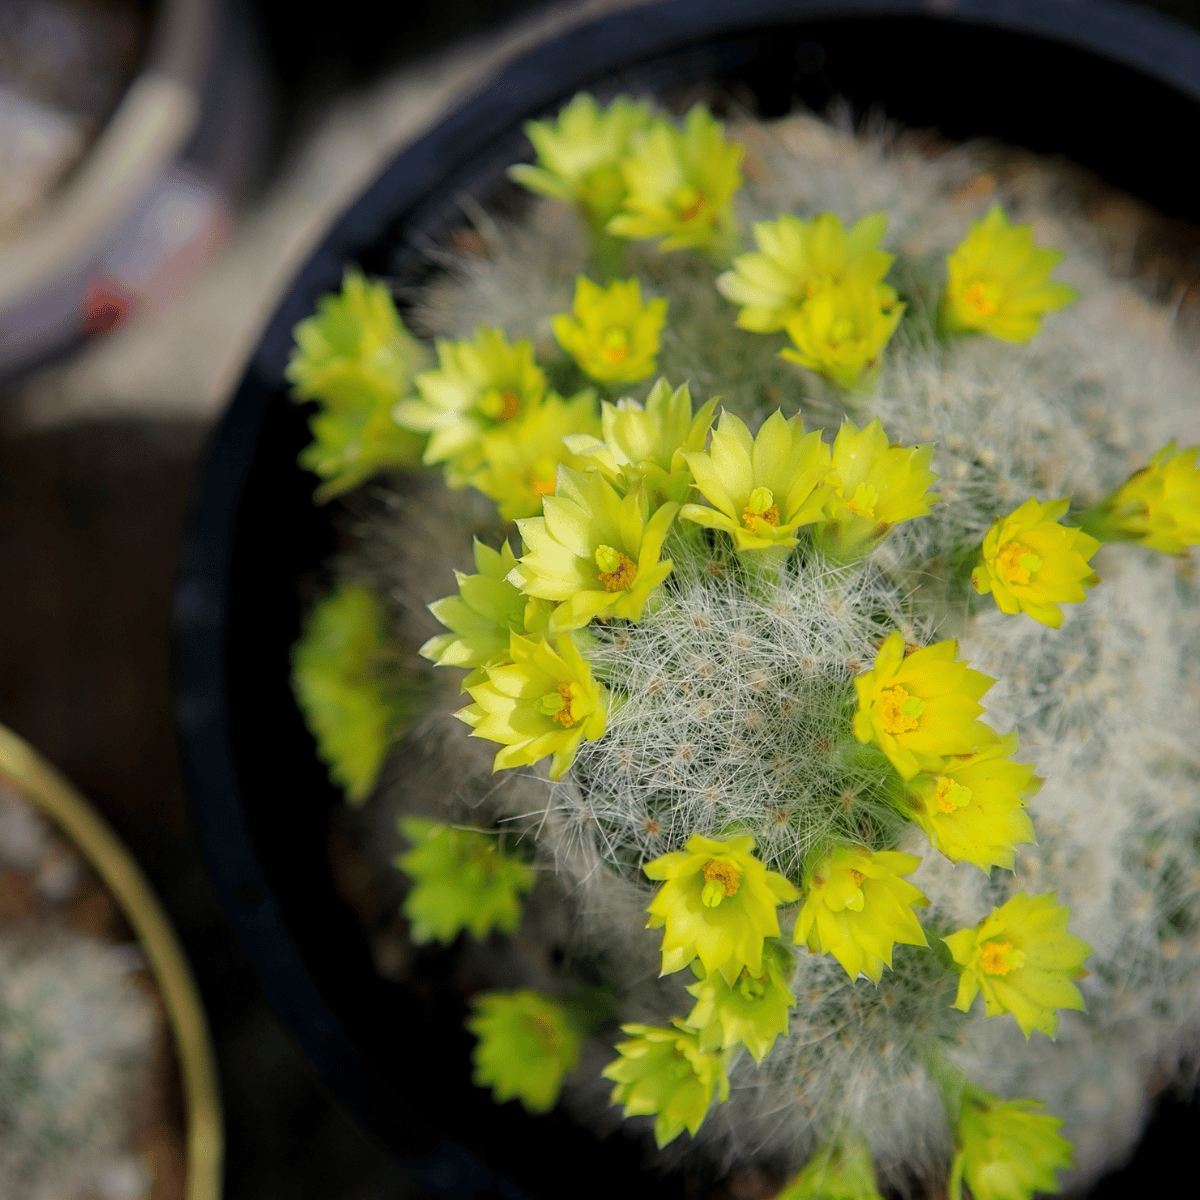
x: 76, y: 1033
x: 814, y: 543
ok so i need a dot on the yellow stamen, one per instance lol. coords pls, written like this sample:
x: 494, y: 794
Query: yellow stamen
x: 617, y: 570
x: 898, y: 711
x: 752, y: 987
x: 511, y: 405
x: 977, y: 296
x: 950, y: 795
x: 863, y: 502
x: 563, y: 716
x: 721, y: 879
x: 541, y: 487
x: 761, y: 505
x: 690, y: 203
x: 557, y: 705
x: 1017, y: 562
x: 998, y: 958
x: 857, y: 876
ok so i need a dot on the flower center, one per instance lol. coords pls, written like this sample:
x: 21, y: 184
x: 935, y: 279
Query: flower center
x: 898, y: 711
x: 614, y: 345
x: 750, y: 987
x: 1018, y: 563
x: 981, y: 299
x: 762, y: 506
x: 617, y: 570
x: 543, y: 1030
x: 842, y: 330
x: 543, y: 476
x: 950, y: 795
x: 500, y: 405
x: 998, y: 958
x: 557, y: 705
x: 688, y: 203
x: 721, y: 879
x: 863, y: 502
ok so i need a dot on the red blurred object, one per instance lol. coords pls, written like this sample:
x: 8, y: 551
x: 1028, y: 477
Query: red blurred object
x: 105, y: 305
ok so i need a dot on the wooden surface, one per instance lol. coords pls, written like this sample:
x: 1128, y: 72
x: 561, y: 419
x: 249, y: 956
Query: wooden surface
x: 89, y: 523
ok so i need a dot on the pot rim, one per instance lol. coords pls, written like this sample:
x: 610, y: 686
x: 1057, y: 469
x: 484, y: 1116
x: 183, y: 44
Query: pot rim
x: 1154, y: 46
x: 151, y: 124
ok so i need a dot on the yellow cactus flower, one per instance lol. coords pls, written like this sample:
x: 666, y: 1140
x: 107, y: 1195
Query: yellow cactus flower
x: 753, y: 1011
x: 857, y: 908
x: 1158, y: 506
x: 841, y: 329
x: 840, y: 1170
x: 355, y: 699
x: 764, y: 488
x: 999, y: 282
x: 612, y: 335
x: 481, y: 617
x: 461, y: 879
x: 542, y: 702
x: 478, y: 385
x: 521, y: 457
x: 921, y: 707
x: 681, y: 184
x: 1023, y: 960
x: 1006, y: 1149
x: 793, y: 257
x: 580, y: 154
x: 594, y: 551
x: 527, y: 1044
x: 663, y: 1073
x: 718, y: 904
x: 875, y: 486
x: 648, y: 443
x: 1032, y: 564
x: 973, y: 809
x: 356, y: 358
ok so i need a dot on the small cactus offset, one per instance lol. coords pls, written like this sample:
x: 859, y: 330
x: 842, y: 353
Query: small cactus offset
x: 76, y: 1036
x: 831, y: 655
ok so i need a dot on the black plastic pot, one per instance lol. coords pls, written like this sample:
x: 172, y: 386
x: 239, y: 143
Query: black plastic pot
x: 1112, y: 88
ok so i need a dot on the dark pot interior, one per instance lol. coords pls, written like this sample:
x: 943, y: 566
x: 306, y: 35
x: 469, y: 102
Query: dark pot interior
x: 1107, y: 89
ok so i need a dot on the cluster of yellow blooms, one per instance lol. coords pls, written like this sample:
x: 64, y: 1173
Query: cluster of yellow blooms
x: 596, y: 497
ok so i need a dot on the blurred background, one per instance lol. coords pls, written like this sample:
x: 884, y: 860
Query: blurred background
x: 165, y: 167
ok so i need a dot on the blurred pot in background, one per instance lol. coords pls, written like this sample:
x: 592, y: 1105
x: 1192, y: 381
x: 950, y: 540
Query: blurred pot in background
x: 129, y: 131
x: 103, y: 1039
